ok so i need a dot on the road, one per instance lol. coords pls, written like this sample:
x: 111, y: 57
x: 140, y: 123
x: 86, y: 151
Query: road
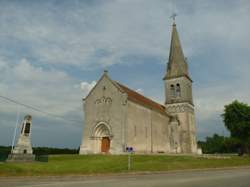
x: 202, y: 178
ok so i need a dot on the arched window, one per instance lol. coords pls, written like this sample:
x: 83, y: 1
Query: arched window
x: 178, y: 90
x: 172, y: 90
x: 27, y: 128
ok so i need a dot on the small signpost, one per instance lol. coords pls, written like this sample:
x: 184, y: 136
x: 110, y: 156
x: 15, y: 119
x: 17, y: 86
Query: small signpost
x: 130, y: 150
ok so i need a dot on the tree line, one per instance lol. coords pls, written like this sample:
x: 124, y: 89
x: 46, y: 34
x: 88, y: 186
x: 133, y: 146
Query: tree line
x: 43, y: 150
x: 219, y: 144
x: 236, y: 118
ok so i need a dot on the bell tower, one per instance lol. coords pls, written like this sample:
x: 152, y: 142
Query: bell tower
x: 178, y: 92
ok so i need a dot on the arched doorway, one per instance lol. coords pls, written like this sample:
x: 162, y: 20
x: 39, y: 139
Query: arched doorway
x: 102, y: 136
x: 105, y: 145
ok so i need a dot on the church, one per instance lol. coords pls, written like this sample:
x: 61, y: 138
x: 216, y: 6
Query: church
x: 117, y: 117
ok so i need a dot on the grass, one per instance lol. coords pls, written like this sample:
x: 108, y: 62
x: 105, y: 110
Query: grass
x: 99, y: 164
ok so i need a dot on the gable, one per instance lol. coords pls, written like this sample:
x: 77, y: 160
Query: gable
x: 131, y: 94
x: 104, y: 80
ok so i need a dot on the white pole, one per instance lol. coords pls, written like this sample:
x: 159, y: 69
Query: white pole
x: 14, y: 136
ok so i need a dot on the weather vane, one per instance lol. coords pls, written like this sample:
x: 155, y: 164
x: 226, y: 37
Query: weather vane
x: 173, y: 16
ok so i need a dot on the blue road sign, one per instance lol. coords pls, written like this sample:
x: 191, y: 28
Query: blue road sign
x: 129, y: 149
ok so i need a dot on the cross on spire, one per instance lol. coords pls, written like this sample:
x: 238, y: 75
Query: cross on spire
x: 173, y: 16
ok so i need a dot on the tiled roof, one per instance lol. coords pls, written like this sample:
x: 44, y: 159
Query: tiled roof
x: 140, y: 99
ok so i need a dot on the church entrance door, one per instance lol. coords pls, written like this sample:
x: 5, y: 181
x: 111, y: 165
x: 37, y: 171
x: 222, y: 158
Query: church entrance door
x: 105, y: 145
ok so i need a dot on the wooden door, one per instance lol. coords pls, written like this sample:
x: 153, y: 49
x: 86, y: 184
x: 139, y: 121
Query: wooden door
x: 105, y: 144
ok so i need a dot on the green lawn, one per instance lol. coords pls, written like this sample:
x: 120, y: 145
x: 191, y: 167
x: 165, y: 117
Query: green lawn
x: 97, y: 164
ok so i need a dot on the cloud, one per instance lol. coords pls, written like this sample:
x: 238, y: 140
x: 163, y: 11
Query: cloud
x: 77, y: 36
x: 46, y: 89
x: 86, y: 87
x: 105, y: 34
x: 24, y: 71
x: 139, y: 90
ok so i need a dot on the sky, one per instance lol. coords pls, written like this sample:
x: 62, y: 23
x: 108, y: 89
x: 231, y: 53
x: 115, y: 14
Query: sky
x: 52, y: 52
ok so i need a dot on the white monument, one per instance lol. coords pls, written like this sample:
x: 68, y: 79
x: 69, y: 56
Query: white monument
x: 23, y: 149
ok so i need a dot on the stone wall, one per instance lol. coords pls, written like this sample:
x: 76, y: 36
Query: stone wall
x: 187, y: 126
x: 147, y: 129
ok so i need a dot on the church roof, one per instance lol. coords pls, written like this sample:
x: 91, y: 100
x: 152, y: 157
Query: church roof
x: 140, y: 99
x: 177, y: 65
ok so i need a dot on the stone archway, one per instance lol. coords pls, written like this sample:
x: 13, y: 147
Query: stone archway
x: 102, y: 138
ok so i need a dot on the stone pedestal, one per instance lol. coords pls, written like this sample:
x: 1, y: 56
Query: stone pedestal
x: 23, y: 145
x: 20, y: 157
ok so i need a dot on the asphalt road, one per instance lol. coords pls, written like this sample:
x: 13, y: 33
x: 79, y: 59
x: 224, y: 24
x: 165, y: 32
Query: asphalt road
x: 211, y: 178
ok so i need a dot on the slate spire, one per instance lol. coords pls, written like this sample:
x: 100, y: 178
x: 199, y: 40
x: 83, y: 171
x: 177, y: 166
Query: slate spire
x: 177, y: 65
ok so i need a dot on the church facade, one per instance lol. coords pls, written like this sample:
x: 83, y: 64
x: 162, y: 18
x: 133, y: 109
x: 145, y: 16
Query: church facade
x: 117, y: 117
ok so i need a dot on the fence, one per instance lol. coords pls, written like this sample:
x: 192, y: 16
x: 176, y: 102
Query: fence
x: 3, y: 157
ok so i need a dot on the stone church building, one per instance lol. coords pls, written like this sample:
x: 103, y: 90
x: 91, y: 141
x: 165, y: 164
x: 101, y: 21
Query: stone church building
x: 117, y: 117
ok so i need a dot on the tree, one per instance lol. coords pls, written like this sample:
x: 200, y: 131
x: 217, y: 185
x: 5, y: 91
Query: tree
x: 212, y: 144
x: 219, y: 144
x: 236, y: 118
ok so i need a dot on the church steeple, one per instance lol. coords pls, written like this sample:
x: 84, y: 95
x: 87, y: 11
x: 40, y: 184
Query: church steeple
x: 179, y: 99
x: 178, y: 84
x: 177, y: 65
